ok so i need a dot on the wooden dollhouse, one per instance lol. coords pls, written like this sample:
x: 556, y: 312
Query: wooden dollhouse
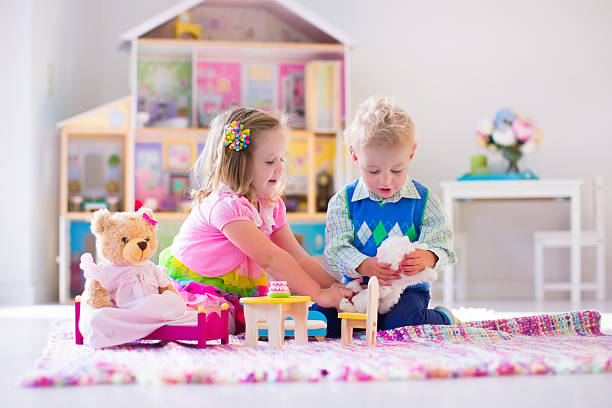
x: 187, y: 64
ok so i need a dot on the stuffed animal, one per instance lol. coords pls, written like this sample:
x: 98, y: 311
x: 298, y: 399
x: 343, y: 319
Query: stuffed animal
x: 124, y: 242
x: 392, y: 252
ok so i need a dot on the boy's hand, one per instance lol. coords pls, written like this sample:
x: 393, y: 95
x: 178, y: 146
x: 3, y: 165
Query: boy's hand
x: 331, y: 297
x: 416, y: 261
x: 338, y: 285
x: 371, y: 267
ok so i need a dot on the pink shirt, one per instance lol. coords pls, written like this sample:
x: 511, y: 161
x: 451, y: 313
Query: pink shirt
x: 202, y: 247
x: 126, y: 283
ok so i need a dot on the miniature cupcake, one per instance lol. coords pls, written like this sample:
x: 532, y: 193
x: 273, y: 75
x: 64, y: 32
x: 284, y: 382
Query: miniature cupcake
x: 278, y: 289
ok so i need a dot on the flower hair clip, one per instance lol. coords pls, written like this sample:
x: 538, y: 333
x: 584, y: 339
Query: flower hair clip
x: 236, y: 136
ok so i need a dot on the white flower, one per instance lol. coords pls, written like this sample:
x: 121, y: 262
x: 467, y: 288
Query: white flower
x: 504, y: 136
x: 529, y: 147
x: 485, y: 126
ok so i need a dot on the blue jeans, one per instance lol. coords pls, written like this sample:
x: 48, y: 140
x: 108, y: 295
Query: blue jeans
x: 411, y: 310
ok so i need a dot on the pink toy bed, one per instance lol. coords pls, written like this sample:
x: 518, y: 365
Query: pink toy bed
x: 211, y: 326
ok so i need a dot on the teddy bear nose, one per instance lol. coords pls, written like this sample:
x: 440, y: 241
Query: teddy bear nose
x: 142, y: 245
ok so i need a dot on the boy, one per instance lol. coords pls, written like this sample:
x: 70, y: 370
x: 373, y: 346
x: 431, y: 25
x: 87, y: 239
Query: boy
x: 384, y: 201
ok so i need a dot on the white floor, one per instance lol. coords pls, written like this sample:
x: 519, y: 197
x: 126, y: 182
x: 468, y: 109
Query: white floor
x: 25, y: 331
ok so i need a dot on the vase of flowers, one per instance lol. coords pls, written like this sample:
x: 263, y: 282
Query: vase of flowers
x: 511, y: 134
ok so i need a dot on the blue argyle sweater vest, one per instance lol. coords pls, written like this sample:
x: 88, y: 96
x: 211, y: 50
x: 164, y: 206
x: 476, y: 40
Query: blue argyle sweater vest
x: 374, y: 221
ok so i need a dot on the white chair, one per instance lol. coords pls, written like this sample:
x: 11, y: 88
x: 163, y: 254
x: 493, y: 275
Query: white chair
x: 562, y: 239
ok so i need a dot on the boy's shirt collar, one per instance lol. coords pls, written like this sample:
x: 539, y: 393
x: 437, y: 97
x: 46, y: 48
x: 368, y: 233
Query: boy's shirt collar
x: 408, y: 190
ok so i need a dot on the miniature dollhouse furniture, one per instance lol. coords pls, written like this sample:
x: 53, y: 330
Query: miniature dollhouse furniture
x: 517, y: 190
x: 274, y: 55
x: 274, y: 311
x: 316, y: 326
x: 368, y: 320
x: 210, y: 326
x: 563, y: 239
x: 184, y: 26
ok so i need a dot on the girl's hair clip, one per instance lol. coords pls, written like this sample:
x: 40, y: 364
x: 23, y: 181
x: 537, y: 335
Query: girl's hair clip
x: 236, y: 136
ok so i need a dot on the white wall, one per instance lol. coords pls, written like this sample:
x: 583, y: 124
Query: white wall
x: 16, y: 145
x: 452, y: 62
x: 49, y: 71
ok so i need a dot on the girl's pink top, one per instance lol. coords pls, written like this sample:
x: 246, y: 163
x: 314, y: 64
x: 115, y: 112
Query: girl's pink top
x: 202, y: 247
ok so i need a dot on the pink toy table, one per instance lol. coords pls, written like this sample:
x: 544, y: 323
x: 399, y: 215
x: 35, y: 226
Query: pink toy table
x: 211, y: 326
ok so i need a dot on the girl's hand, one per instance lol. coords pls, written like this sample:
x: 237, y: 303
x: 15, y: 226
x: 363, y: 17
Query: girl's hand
x: 371, y: 267
x: 331, y: 297
x: 416, y: 261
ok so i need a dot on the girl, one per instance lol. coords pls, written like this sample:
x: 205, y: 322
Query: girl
x: 238, y: 231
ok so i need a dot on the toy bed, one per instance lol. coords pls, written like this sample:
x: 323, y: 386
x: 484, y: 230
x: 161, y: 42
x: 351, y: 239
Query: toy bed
x: 210, y: 326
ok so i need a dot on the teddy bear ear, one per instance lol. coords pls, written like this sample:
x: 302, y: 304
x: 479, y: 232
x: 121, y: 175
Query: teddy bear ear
x: 100, y: 221
x: 144, y: 210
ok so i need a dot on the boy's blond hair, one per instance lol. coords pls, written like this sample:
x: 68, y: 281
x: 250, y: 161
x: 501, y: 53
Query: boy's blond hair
x: 219, y: 164
x: 380, y: 121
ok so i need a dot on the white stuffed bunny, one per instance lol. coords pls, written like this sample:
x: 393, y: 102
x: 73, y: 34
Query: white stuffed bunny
x: 392, y: 252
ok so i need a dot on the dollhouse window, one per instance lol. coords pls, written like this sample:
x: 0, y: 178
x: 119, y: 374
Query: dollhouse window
x: 94, y: 173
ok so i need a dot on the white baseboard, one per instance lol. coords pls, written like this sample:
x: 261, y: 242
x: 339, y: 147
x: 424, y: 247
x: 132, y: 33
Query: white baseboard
x: 27, y: 294
x: 504, y: 290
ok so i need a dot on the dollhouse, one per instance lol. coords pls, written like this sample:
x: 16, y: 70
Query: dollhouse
x: 187, y: 64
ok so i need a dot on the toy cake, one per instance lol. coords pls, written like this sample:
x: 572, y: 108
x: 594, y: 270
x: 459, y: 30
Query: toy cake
x: 278, y: 289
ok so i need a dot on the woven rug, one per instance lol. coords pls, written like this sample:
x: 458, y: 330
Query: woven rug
x: 568, y: 343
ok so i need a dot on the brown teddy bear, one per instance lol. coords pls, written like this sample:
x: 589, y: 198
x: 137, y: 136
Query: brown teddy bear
x: 124, y: 241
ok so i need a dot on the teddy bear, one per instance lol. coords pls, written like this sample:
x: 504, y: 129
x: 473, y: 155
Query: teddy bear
x: 125, y: 241
x: 391, y: 251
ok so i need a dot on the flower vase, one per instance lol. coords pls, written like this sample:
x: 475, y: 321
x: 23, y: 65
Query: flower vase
x: 512, y: 155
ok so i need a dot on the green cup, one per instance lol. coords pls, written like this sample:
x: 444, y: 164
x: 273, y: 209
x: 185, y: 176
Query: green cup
x: 478, y: 165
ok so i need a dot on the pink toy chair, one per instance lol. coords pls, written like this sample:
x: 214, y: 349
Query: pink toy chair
x: 209, y: 327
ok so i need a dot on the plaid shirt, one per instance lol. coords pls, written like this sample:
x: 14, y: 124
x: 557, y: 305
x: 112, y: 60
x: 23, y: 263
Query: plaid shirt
x: 340, y: 254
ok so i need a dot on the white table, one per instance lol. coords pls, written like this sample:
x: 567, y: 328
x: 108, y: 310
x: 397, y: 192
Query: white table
x: 517, y: 189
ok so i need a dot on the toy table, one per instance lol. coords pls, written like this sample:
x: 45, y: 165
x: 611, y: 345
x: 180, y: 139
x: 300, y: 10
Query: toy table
x: 274, y: 311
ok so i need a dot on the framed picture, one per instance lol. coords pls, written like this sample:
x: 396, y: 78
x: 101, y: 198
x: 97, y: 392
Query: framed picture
x: 149, y: 172
x: 178, y: 185
x: 164, y: 92
x: 179, y: 154
x: 218, y: 88
x: 259, y: 85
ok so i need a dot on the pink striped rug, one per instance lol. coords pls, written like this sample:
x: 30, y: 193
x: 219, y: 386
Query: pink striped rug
x: 568, y: 343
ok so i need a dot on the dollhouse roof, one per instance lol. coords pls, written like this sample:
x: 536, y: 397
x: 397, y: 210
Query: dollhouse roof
x: 299, y: 17
x: 113, y: 114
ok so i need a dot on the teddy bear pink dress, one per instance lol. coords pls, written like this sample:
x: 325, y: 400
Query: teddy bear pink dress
x: 139, y: 310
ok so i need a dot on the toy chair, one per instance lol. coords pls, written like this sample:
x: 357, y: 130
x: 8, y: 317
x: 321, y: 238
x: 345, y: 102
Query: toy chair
x: 213, y: 328
x: 368, y: 320
x: 185, y: 26
x: 562, y: 239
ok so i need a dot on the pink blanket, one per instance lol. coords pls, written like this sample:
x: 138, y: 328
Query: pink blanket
x: 109, y: 326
